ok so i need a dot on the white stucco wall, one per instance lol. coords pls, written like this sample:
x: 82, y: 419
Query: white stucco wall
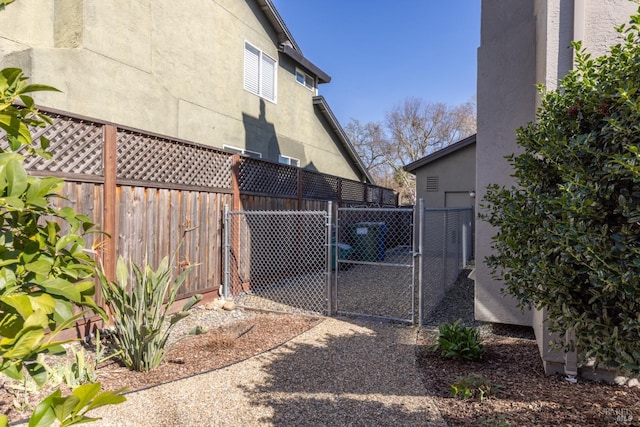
x: 162, y: 67
x: 522, y: 44
x: 506, y: 100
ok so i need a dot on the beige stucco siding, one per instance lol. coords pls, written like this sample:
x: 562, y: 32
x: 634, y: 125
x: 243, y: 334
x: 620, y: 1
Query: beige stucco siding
x: 523, y: 44
x: 455, y: 173
x: 170, y: 69
x: 506, y: 100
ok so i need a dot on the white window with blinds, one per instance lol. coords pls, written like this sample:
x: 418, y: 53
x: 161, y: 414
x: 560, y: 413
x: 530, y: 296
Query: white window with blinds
x: 260, y: 72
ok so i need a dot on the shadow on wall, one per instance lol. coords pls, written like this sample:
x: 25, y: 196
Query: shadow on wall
x: 260, y: 135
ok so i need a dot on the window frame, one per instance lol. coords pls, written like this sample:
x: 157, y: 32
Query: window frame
x: 306, y: 77
x: 288, y: 160
x: 243, y: 151
x: 262, y: 58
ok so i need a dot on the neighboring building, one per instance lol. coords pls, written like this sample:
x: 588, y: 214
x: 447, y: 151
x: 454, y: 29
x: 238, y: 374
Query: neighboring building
x: 447, y: 177
x: 524, y: 43
x: 225, y: 73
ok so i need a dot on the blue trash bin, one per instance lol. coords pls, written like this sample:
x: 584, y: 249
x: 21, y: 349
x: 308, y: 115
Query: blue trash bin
x: 368, y: 241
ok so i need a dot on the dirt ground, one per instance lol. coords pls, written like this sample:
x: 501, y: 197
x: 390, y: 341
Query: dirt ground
x: 521, y: 394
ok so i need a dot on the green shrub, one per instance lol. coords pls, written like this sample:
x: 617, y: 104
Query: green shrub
x: 472, y: 386
x: 44, y: 274
x: 569, y: 231
x: 456, y: 341
x: 80, y: 370
x: 139, y: 310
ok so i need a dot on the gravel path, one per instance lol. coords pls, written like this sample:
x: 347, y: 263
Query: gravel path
x: 341, y: 372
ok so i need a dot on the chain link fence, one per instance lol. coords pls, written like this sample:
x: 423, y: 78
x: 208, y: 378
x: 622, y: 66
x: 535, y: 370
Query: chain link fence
x: 278, y: 260
x: 373, y: 263
x: 392, y: 263
x: 447, y: 247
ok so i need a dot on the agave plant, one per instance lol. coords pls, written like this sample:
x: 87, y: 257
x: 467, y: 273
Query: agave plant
x: 138, y: 306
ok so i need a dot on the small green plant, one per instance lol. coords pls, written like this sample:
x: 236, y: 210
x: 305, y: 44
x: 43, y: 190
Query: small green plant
x: 139, y: 310
x: 23, y: 389
x: 456, y: 341
x: 81, y: 370
x: 472, y: 386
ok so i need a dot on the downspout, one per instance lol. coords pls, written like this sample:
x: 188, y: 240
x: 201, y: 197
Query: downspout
x: 571, y: 357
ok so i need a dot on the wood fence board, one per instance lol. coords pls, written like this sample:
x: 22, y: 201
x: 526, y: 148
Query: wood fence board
x: 147, y: 204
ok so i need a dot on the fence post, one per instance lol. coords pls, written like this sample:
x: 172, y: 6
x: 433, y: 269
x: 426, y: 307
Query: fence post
x: 444, y: 250
x: 227, y: 274
x: 330, y: 263
x: 418, y: 217
x: 235, y: 182
x: 465, y: 243
x: 299, y: 177
x: 110, y: 167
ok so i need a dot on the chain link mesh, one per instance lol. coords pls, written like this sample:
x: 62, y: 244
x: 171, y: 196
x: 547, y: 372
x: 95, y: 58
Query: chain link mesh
x: 447, y: 248
x: 277, y: 260
x: 375, y: 262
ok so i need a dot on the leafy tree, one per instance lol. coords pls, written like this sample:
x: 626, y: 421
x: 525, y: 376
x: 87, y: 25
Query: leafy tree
x: 44, y: 274
x: 569, y: 233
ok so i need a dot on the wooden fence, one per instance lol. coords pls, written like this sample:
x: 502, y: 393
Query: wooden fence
x: 154, y: 196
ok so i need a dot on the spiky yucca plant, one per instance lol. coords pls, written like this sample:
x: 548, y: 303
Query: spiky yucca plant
x: 139, y: 305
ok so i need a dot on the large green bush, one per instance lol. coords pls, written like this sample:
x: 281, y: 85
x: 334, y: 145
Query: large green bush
x: 44, y: 274
x: 569, y: 232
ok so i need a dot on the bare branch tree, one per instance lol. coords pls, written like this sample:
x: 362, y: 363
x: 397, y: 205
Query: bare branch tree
x: 414, y: 129
x: 419, y: 128
x: 370, y: 142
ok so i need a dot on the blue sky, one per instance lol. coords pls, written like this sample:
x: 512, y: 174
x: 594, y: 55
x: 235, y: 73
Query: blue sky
x: 378, y: 52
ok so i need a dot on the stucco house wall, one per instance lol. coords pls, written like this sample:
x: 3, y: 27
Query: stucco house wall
x: 526, y: 43
x: 446, y: 178
x: 174, y: 70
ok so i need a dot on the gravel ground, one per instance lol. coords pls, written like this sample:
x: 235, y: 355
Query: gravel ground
x: 341, y: 372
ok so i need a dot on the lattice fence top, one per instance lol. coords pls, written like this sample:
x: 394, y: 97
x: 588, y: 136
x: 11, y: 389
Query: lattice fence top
x: 352, y: 191
x: 389, y: 197
x: 374, y: 195
x: 153, y: 159
x: 319, y: 186
x: 256, y: 176
x: 76, y: 146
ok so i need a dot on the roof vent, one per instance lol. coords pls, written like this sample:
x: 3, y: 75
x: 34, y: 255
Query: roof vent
x: 432, y: 183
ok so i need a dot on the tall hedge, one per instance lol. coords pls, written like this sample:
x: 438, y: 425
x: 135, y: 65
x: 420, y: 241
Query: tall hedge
x: 569, y: 231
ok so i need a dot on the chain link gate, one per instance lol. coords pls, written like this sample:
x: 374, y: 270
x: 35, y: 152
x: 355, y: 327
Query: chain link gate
x: 391, y: 263
x: 278, y: 260
x: 373, y: 259
x: 446, y: 247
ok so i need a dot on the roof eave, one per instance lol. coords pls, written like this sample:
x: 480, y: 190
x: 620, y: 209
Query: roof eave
x: 333, y: 121
x: 300, y: 59
x: 287, y: 43
x: 411, y: 167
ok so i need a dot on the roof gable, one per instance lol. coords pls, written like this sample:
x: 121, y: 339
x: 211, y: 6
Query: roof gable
x: 450, y: 149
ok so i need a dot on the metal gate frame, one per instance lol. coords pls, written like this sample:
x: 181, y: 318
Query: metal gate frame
x: 257, y: 273
x: 406, y: 261
x: 440, y: 245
